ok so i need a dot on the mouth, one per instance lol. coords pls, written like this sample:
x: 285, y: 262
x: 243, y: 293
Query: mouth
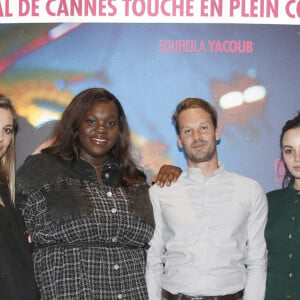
x: 297, y: 168
x: 198, y: 145
x: 99, y: 140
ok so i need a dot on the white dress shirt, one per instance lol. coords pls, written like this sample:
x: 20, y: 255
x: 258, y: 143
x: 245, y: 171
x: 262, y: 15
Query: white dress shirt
x: 209, y: 236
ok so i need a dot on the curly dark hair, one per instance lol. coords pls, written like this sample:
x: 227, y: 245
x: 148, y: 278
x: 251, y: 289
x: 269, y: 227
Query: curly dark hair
x: 67, y: 144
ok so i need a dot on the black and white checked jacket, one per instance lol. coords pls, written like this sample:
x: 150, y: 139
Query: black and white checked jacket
x: 89, y: 241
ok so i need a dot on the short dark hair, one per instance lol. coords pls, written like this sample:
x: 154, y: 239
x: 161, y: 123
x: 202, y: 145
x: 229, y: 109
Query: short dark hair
x: 290, y: 124
x: 195, y: 103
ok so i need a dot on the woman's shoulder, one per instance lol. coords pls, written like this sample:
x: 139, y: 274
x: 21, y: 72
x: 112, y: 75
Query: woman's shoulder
x: 277, y: 194
x: 33, y: 160
x: 38, y: 167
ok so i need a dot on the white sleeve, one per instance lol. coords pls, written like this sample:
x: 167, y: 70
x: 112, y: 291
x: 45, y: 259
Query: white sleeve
x: 154, y: 268
x: 256, y: 249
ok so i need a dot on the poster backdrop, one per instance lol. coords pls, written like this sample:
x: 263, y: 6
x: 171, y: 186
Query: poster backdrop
x: 241, y: 56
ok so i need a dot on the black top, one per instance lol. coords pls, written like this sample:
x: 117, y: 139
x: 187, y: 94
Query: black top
x: 282, y: 237
x: 89, y: 239
x: 16, y: 268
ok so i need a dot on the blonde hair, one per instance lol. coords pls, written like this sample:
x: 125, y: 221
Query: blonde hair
x: 8, y: 161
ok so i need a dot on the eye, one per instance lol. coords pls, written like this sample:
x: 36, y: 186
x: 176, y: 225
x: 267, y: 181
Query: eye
x: 187, y: 131
x: 8, y: 131
x: 90, y: 121
x: 287, y: 151
x: 204, y: 128
x: 112, y: 123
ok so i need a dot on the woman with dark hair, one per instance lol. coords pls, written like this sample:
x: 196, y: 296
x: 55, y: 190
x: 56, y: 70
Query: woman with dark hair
x: 86, y: 205
x: 16, y: 268
x: 283, y: 228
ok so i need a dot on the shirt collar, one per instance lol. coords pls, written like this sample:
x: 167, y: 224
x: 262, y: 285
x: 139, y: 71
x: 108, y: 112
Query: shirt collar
x: 196, y: 172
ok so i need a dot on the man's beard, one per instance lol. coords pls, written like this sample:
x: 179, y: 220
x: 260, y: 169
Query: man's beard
x: 202, y: 157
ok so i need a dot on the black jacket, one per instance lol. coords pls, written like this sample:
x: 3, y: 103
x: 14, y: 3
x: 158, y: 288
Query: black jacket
x: 16, y: 267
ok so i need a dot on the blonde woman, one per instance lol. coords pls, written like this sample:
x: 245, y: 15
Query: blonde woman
x: 16, y: 269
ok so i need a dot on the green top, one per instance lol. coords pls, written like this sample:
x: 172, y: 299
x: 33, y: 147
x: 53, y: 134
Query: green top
x: 283, y: 242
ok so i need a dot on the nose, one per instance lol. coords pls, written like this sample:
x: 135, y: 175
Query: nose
x: 101, y: 128
x: 297, y: 155
x: 197, y: 134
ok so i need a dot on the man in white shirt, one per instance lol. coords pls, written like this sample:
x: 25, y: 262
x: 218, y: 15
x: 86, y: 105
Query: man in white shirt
x: 209, y: 237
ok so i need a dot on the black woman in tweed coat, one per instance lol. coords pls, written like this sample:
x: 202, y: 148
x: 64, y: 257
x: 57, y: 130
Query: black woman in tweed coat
x: 86, y: 206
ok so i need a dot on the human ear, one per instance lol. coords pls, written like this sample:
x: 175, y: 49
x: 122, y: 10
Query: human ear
x: 179, y: 142
x: 218, y: 133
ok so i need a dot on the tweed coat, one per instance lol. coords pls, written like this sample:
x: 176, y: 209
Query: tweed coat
x: 89, y: 240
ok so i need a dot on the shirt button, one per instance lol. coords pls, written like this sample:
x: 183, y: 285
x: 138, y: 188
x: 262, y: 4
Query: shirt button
x: 109, y: 194
x: 293, y: 218
x: 114, y: 210
x: 290, y: 236
x: 296, y: 201
x: 114, y: 239
x: 290, y: 255
x: 116, y: 267
x: 119, y: 296
x: 291, y: 275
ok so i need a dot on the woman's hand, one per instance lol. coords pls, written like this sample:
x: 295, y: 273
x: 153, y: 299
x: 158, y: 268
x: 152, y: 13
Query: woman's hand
x: 166, y: 175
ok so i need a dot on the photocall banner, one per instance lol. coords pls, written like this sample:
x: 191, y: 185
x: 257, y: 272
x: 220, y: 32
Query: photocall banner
x: 151, y: 11
x: 240, y: 55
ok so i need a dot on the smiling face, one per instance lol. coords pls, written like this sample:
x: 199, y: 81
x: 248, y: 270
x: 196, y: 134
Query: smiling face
x: 6, y: 130
x: 291, y: 151
x: 98, y: 132
x: 198, y: 136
